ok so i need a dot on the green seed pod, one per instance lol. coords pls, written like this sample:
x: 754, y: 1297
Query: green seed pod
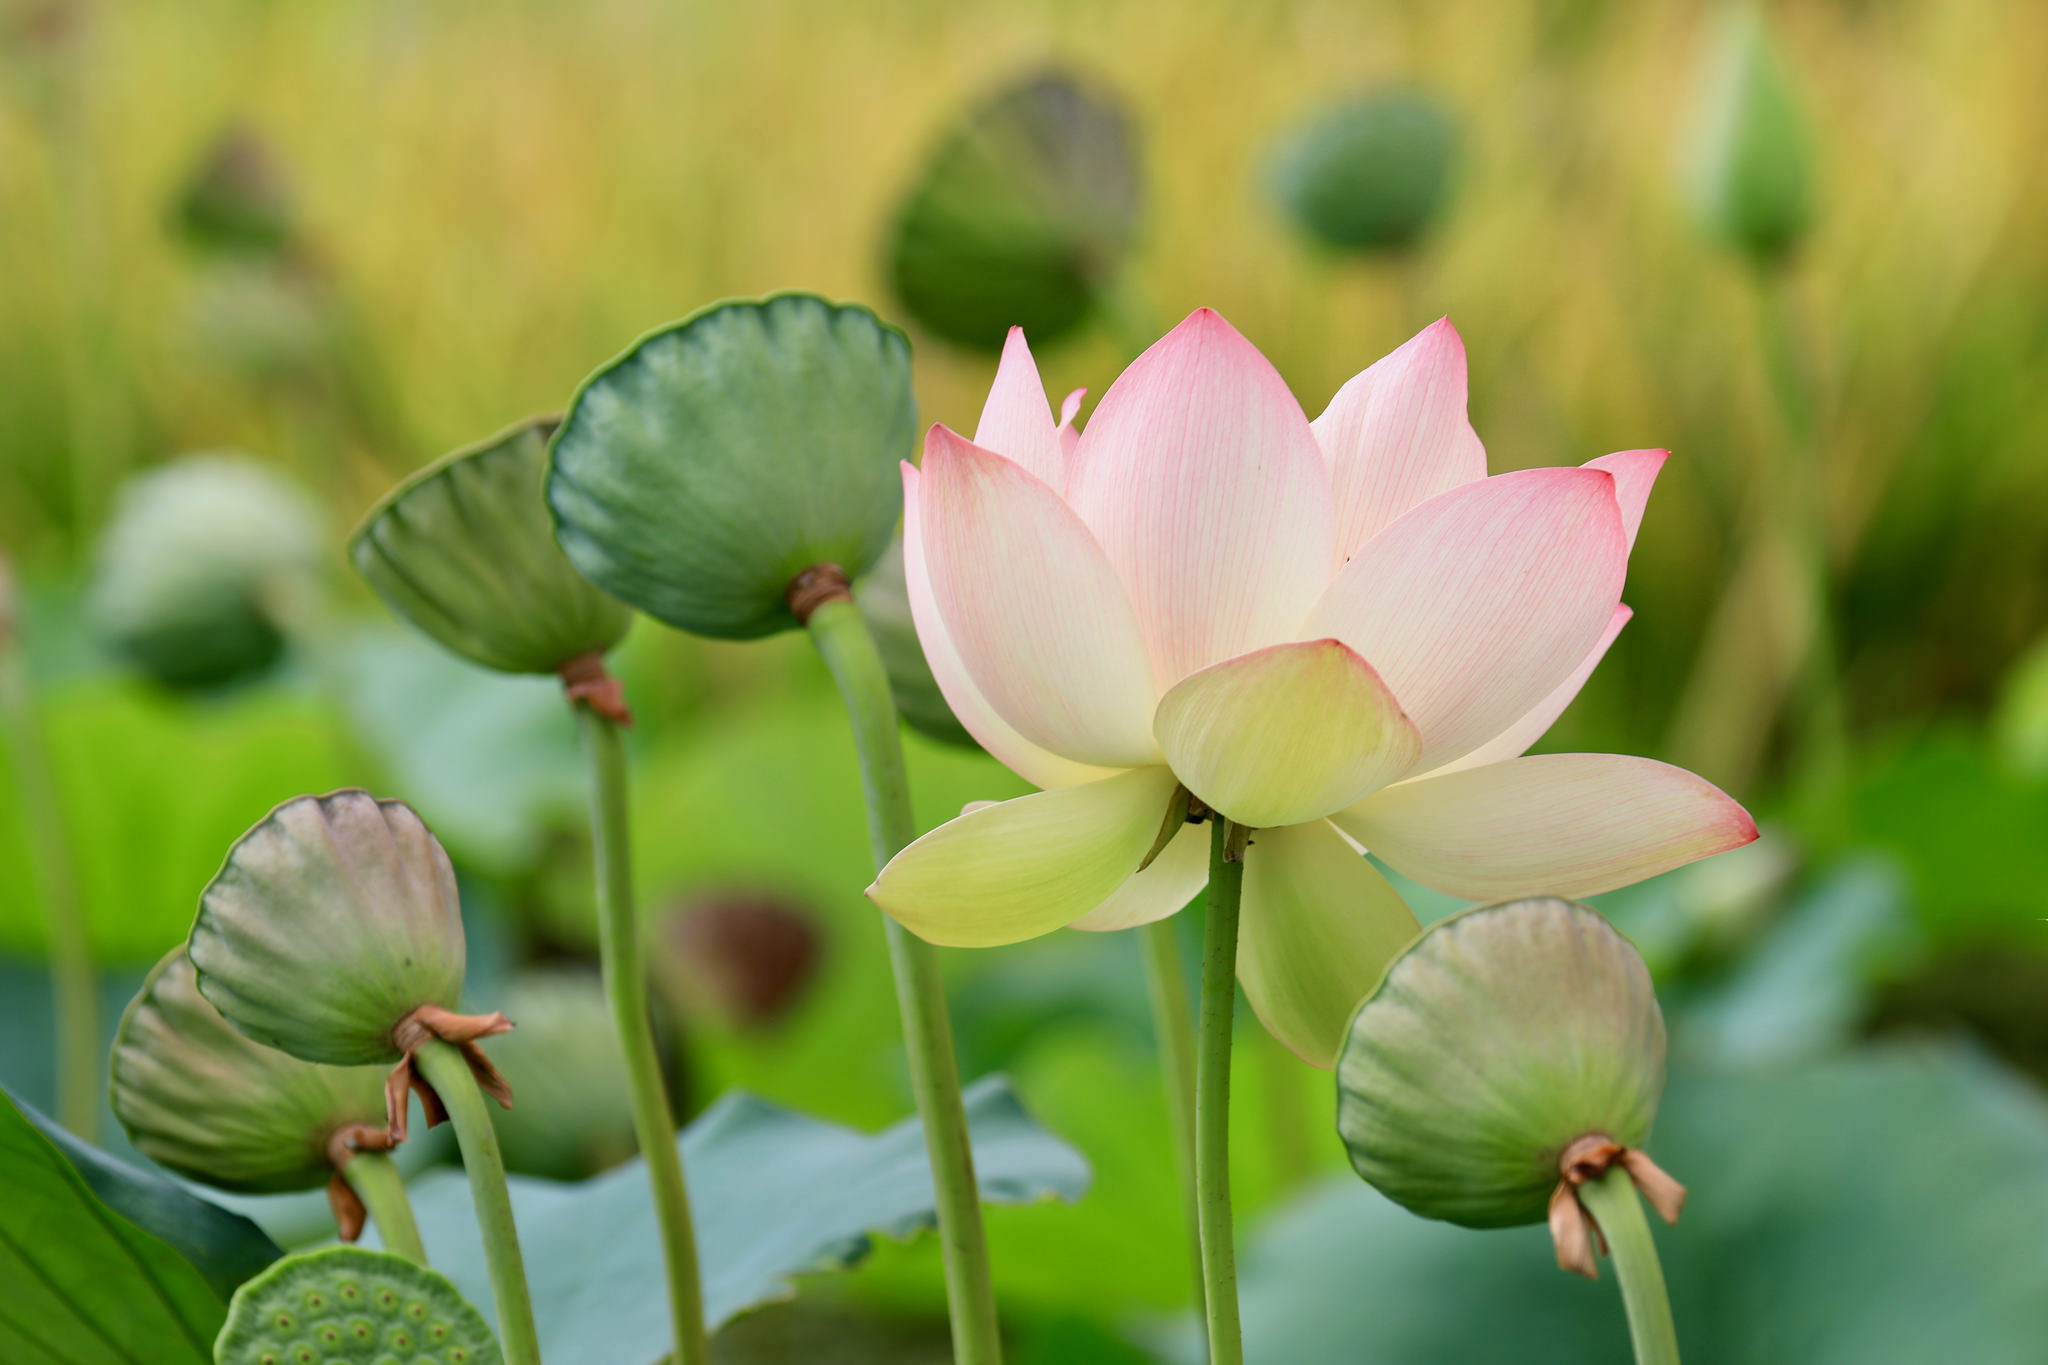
x: 885, y: 601
x: 332, y: 920
x: 353, y: 1306
x: 238, y: 199
x: 1751, y: 169
x: 1023, y: 217
x: 575, y: 1113
x: 198, y: 1097
x: 1501, y: 1037
x: 465, y: 550
x: 199, y: 566
x: 1370, y: 174
x: 698, y: 474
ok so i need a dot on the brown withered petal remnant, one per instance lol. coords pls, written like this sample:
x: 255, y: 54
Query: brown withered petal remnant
x: 342, y: 1144
x: 463, y: 1030
x: 1572, y: 1226
x: 814, y: 587
x: 585, y: 679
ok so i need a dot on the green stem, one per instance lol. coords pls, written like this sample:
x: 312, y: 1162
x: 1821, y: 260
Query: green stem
x: 1173, y: 1021
x: 376, y: 1181
x: 72, y: 978
x: 625, y: 983
x: 447, y: 1070
x: 842, y: 638
x: 1613, y: 1203
x: 1212, y: 1093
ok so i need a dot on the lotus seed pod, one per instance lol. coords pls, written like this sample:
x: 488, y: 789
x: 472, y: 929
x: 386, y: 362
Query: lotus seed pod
x: 1023, y: 217
x: 238, y: 199
x: 697, y: 475
x: 884, y: 600
x: 575, y: 1114
x: 1751, y: 170
x: 1500, y: 1038
x: 197, y: 1096
x: 466, y: 551
x: 1370, y: 174
x: 352, y: 1306
x: 198, y: 567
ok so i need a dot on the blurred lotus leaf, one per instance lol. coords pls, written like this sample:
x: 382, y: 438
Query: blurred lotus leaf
x: 775, y: 1194
x: 698, y: 474
x: 1370, y: 174
x: 200, y: 568
x: 331, y: 921
x: 885, y: 601
x: 575, y: 1113
x: 352, y: 1306
x: 194, y: 1094
x: 1500, y: 1037
x: 238, y: 199
x: 1752, y: 171
x: 465, y: 550
x: 740, y: 959
x: 1023, y: 216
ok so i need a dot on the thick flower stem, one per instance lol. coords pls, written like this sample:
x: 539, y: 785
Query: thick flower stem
x: 447, y: 1070
x: 376, y: 1181
x: 625, y: 984
x: 72, y: 980
x: 1173, y: 1021
x: 1212, y: 1093
x: 842, y: 638
x: 1613, y: 1203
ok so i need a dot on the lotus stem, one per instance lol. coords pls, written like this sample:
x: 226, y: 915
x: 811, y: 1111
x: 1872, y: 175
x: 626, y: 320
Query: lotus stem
x: 375, y: 1179
x: 1173, y: 1022
x: 625, y: 984
x: 447, y: 1070
x: 73, y: 983
x: 1212, y: 1093
x: 1612, y: 1201
x: 843, y: 639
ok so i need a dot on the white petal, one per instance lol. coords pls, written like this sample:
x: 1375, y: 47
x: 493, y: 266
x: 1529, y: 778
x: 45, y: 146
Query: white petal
x: 1635, y: 473
x: 1016, y: 421
x: 1176, y: 877
x: 1514, y: 741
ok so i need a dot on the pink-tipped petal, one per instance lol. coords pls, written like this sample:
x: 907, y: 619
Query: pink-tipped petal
x: 1396, y: 435
x: 1037, y: 614
x: 1319, y: 926
x: 1514, y: 741
x: 1478, y: 604
x: 1040, y: 767
x: 1202, y: 480
x: 1070, y: 435
x: 1285, y: 734
x: 1026, y: 867
x: 1175, y: 877
x: 1635, y: 473
x: 1016, y: 421
x: 1553, y: 824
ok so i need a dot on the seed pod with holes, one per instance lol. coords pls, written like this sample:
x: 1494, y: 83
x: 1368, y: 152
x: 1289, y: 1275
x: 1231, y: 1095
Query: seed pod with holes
x: 696, y: 476
x: 352, y: 1306
x: 466, y: 551
x: 1511, y: 1053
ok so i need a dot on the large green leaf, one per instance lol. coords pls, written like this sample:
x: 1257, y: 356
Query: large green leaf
x: 1884, y: 1206
x: 82, y: 1284
x: 775, y: 1195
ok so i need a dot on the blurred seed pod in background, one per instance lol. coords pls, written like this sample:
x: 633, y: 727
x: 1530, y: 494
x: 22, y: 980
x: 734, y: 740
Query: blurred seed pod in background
x: 202, y: 568
x: 738, y: 959
x: 237, y: 200
x: 1750, y: 164
x: 698, y: 474
x: 1370, y: 174
x: 885, y: 600
x: 575, y: 1113
x: 465, y: 550
x: 1023, y: 216
x: 197, y: 1096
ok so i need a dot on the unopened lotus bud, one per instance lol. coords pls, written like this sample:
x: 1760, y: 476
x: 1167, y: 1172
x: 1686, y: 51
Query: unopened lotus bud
x: 699, y: 474
x: 575, y: 1114
x: 1512, y: 1053
x: 238, y: 199
x: 466, y: 551
x: 352, y: 1306
x: 1023, y: 216
x: 885, y: 601
x: 1751, y: 169
x: 334, y: 932
x: 1372, y: 173
x: 199, y: 568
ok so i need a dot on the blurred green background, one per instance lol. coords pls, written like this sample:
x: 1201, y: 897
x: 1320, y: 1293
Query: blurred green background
x: 344, y: 238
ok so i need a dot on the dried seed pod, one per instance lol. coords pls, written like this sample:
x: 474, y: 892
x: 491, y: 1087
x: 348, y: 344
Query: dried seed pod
x: 353, y: 1306
x: 1511, y: 1053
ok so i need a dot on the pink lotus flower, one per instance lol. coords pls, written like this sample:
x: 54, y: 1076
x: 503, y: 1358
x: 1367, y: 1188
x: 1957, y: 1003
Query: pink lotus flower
x: 1338, y: 633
